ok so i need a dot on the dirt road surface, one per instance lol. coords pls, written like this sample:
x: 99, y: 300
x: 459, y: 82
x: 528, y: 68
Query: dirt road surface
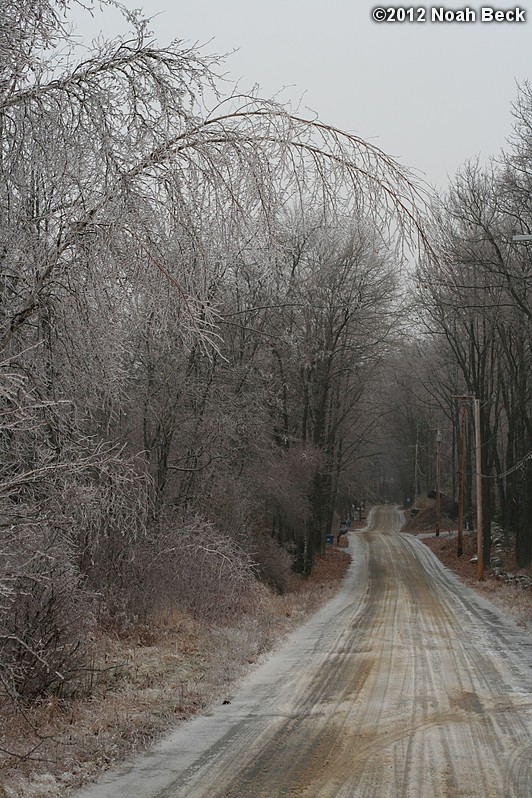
x: 405, y: 685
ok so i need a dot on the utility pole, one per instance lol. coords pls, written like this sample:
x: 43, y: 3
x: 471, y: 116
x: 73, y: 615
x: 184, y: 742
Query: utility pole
x: 460, y: 541
x: 416, y: 466
x: 438, y: 498
x: 460, y: 545
x: 478, y: 483
x: 478, y: 467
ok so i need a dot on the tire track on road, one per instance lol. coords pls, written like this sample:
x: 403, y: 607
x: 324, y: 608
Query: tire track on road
x: 405, y: 685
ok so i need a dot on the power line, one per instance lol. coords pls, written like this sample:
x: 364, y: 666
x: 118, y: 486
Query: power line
x: 520, y: 464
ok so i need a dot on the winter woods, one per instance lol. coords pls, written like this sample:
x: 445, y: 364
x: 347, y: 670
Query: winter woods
x: 204, y: 343
x: 472, y: 300
x: 195, y: 289
x: 478, y: 299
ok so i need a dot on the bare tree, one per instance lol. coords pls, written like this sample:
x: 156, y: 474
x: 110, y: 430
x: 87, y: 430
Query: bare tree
x: 477, y: 296
x: 169, y: 350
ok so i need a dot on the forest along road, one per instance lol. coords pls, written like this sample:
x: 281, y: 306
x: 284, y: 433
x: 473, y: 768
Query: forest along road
x: 405, y: 684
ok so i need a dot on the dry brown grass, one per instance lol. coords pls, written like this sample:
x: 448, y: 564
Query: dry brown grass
x: 145, y: 684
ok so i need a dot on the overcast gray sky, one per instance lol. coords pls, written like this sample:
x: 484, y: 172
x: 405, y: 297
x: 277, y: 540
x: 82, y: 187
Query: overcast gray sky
x: 431, y: 94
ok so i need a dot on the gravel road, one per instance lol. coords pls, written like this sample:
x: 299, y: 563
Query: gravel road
x: 405, y: 685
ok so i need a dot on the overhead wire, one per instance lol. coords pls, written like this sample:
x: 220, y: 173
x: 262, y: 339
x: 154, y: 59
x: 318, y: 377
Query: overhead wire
x: 520, y: 464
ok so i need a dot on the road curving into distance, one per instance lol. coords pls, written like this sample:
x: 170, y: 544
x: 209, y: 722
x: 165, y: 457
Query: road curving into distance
x: 405, y: 685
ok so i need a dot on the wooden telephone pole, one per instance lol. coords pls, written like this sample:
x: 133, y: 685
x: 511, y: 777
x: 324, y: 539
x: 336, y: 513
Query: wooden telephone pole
x: 460, y: 541
x: 438, y: 482
x: 478, y: 482
x: 478, y: 468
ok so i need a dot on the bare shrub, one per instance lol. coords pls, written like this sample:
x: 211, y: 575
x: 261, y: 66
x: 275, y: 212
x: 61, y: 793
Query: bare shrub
x: 62, y: 514
x: 274, y: 562
x: 45, y: 613
x: 191, y: 565
x: 216, y: 576
x: 111, y: 513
